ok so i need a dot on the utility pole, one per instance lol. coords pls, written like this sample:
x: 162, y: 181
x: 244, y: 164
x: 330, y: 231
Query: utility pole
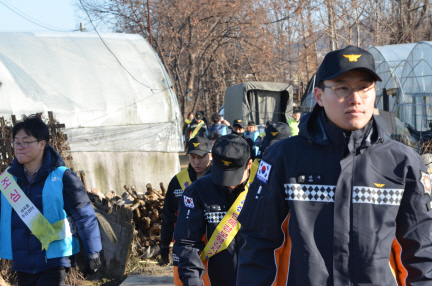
x: 149, y: 22
x: 82, y: 29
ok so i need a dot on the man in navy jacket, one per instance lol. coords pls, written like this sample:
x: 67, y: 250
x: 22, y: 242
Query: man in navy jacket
x: 34, y: 164
x: 342, y: 203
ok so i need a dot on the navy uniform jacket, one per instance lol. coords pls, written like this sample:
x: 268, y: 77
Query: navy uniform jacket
x: 169, y: 212
x: 210, y: 204
x: 193, y: 125
x: 337, y: 209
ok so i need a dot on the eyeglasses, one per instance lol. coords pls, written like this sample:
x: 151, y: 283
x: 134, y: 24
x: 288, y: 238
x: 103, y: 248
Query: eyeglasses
x: 22, y: 144
x: 344, y: 90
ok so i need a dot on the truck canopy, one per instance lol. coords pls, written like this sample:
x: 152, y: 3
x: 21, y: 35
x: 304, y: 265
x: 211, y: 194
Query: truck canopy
x: 259, y: 101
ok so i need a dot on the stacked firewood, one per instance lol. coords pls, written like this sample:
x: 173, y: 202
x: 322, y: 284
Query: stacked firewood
x: 147, y: 215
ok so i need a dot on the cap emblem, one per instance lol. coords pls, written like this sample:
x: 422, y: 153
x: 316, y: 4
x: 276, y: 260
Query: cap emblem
x: 352, y: 58
x: 226, y: 163
x: 379, y: 185
x: 196, y: 144
x: 239, y: 120
x: 274, y: 133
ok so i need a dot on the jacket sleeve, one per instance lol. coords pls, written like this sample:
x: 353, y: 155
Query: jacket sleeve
x: 169, y: 211
x: 414, y: 226
x: 263, y: 214
x: 189, y: 230
x: 78, y: 205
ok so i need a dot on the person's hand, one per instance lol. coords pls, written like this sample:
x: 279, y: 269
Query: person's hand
x: 164, y: 252
x: 224, y: 122
x: 92, y: 265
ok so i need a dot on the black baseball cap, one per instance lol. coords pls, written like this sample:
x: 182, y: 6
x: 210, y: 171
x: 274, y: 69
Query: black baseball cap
x: 198, y: 115
x: 338, y: 62
x: 276, y: 132
x: 230, y: 154
x: 199, y: 145
x: 240, y: 123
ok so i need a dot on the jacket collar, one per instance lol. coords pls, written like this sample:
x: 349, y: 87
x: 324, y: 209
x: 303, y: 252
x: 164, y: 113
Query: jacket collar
x: 51, y: 160
x: 315, y: 128
x: 192, y: 173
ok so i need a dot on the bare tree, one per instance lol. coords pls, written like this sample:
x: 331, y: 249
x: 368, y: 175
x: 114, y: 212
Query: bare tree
x: 209, y: 45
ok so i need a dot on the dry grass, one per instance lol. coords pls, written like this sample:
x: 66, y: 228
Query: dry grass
x: 75, y: 278
x: 7, y: 276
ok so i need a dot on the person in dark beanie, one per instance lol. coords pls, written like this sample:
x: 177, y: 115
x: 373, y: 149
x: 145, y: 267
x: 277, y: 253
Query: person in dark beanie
x: 274, y: 133
x: 239, y: 128
x: 199, y: 153
x: 260, y: 139
x: 340, y: 203
x: 210, y: 207
x: 45, y: 190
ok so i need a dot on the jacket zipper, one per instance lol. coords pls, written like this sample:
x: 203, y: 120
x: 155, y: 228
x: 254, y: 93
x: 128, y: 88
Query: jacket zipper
x: 351, y: 264
x: 31, y: 250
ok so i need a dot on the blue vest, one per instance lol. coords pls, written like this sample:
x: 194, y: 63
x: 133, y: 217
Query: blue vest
x: 253, y: 135
x: 53, y: 211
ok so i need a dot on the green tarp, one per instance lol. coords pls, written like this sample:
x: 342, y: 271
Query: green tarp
x: 259, y: 101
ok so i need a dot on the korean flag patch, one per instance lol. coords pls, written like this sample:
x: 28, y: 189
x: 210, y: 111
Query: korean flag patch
x: 426, y: 182
x: 263, y: 172
x: 188, y: 202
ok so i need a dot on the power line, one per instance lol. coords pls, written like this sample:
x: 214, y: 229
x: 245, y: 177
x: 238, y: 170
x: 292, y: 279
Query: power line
x: 132, y: 104
x: 152, y: 90
x: 26, y: 17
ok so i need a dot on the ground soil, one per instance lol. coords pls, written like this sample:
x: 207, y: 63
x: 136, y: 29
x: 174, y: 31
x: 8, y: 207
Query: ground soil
x: 150, y: 267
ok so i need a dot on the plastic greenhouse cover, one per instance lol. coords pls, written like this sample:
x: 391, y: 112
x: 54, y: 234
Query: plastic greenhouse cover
x: 145, y: 137
x: 105, y: 107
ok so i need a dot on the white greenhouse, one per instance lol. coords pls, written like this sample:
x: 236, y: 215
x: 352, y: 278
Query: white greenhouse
x: 114, y: 96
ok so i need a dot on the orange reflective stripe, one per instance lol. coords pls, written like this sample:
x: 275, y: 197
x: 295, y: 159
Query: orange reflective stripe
x: 399, y: 271
x: 205, y: 277
x: 282, y: 257
x: 206, y: 280
x: 177, y: 281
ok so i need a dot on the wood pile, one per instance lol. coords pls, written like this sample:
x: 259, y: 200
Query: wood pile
x: 147, y: 215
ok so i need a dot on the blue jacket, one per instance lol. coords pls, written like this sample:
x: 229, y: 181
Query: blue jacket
x: 28, y: 255
x: 218, y: 129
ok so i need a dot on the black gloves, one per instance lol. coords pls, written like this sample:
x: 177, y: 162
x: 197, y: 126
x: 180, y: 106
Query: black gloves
x: 164, y: 252
x: 92, y: 266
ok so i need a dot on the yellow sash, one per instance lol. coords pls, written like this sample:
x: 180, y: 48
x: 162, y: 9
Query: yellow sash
x: 183, y: 178
x: 197, y: 129
x: 29, y: 214
x: 229, y: 226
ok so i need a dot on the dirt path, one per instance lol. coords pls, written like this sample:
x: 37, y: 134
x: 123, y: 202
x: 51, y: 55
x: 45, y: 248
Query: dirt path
x: 151, y: 275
